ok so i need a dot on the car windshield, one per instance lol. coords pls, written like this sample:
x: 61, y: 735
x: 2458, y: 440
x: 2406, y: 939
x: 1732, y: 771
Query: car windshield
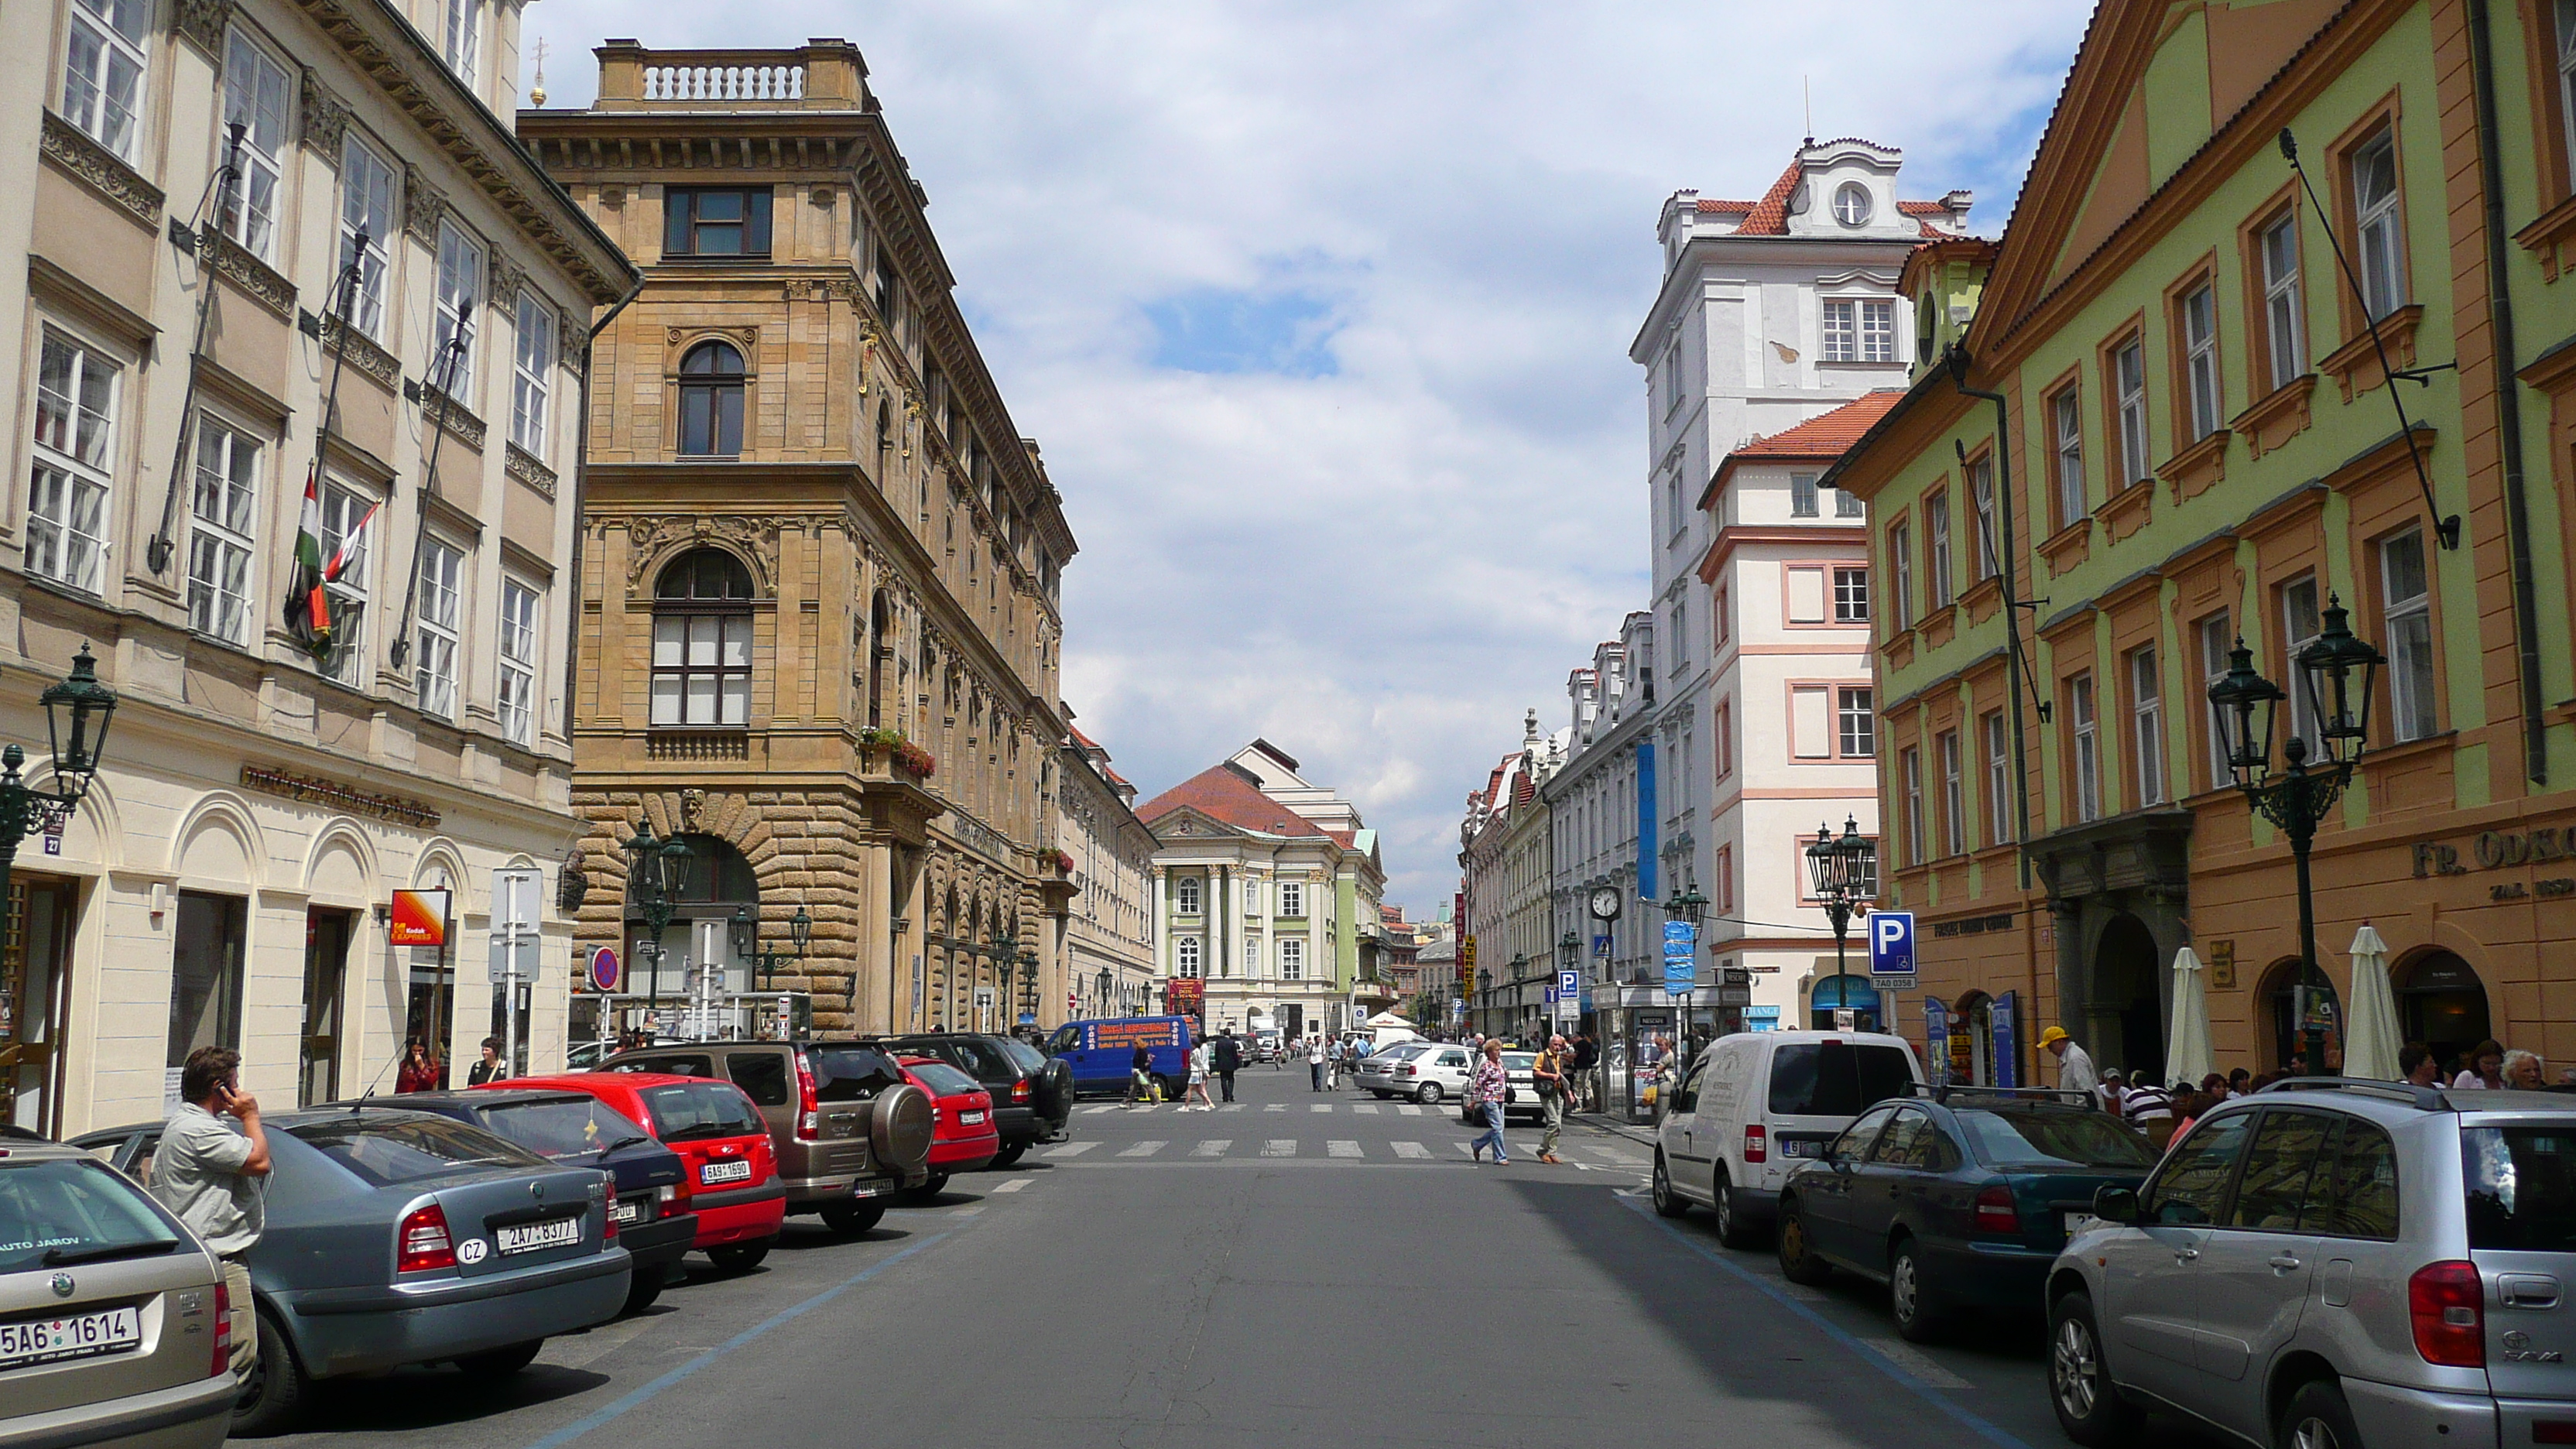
x: 1835, y: 1078
x: 850, y: 1074
x: 566, y: 1126
x: 943, y: 1080
x: 384, y: 1151
x: 980, y: 1058
x: 1067, y: 1038
x: 1519, y: 1061
x: 1030, y: 1059
x: 2046, y: 1139
x: 2521, y: 1183
x: 697, y: 1111
x: 66, y: 1210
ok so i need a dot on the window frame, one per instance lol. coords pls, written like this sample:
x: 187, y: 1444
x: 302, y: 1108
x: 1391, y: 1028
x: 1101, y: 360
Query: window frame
x: 1838, y: 330
x: 2126, y: 408
x: 1954, y: 797
x: 714, y: 387
x: 81, y: 479
x: 437, y: 680
x: 1846, y: 711
x: 1938, y: 576
x: 2147, y: 723
x: 2207, y: 631
x: 2191, y: 310
x: 459, y: 301
x: 1910, y: 780
x: 2084, y: 746
x: 522, y: 624
x: 258, y: 163
x: 1900, y: 559
x: 532, y: 365
x: 1806, y: 500
x: 1292, y: 900
x: 2275, y: 301
x: 2068, y: 491
x: 461, y: 40
x: 728, y: 614
x: 1292, y: 958
x: 1188, y: 958
x: 1980, y: 474
x: 359, y: 164
x: 1997, y: 733
x: 686, y: 226
x: 2302, y: 725
x: 1851, y: 605
x: 345, y: 507
x: 2414, y: 611
x: 233, y: 539
x: 2380, y: 220
x: 114, y: 44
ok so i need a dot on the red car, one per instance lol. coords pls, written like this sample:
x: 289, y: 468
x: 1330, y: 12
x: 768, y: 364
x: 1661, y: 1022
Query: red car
x: 963, y: 1135
x: 730, y: 1170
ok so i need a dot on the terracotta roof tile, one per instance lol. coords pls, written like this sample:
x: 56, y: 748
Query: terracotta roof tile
x: 1226, y: 793
x: 1771, y: 214
x: 1712, y: 204
x: 1827, y: 436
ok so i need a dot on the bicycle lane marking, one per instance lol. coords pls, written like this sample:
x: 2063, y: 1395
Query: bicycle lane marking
x: 609, y: 1413
x: 1857, y: 1346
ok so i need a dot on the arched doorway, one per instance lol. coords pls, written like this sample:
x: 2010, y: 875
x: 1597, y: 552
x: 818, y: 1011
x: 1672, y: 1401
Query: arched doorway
x: 2281, y: 995
x: 1832, y: 993
x: 2442, y: 1003
x: 1972, y: 1040
x: 2127, y: 1012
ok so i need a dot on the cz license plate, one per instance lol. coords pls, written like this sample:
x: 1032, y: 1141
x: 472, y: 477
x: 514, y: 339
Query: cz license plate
x: 630, y: 1212
x: 80, y: 1335
x: 2080, y: 1223
x: 735, y: 1171
x: 529, y: 1237
x: 1792, y: 1147
x: 970, y: 1118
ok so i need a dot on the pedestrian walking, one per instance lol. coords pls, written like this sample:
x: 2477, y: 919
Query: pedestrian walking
x: 1547, y: 1073
x: 213, y: 1178
x: 1140, y: 1078
x: 2074, y: 1067
x: 1315, y: 1061
x: 1198, y: 1080
x: 1489, y: 1086
x: 1229, y: 1060
x: 489, y: 1069
x: 1587, y: 1059
x: 420, y: 1071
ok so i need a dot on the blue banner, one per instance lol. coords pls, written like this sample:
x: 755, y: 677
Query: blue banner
x: 2006, y: 1009
x: 1936, y: 1041
x: 1681, y: 956
x: 1646, y: 820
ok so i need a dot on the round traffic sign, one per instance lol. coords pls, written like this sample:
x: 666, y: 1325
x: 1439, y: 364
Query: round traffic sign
x: 604, y: 972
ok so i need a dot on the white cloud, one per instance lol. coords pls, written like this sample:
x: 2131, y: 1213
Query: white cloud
x: 1379, y: 567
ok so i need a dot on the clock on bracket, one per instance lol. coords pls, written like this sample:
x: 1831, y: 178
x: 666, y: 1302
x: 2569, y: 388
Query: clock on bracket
x: 1605, y: 903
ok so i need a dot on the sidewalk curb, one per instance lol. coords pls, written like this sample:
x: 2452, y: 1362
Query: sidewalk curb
x: 1600, y: 1123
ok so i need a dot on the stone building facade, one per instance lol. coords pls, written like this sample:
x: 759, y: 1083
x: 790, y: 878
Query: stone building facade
x: 820, y: 566
x: 1108, y: 928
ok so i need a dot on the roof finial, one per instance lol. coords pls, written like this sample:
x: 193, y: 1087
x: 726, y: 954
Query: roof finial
x: 537, y: 92
x: 1807, y: 88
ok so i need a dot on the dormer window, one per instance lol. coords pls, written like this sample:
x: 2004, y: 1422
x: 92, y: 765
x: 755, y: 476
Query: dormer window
x: 1851, y: 204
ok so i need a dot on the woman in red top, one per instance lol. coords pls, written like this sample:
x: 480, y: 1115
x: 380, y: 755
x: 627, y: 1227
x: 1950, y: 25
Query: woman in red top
x: 419, y: 1072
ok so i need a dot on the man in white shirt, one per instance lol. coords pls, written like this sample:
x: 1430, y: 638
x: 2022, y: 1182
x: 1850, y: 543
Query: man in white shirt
x: 212, y: 1178
x: 2074, y: 1067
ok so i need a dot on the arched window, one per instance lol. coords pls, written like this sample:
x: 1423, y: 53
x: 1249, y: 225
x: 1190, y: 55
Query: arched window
x: 702, y: 641
x: 1185, y: 895
x: 711, y: 401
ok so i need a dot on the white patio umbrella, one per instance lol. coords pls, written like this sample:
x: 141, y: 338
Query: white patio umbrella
x: 2188, y: 1058
x: 2370, y: 1028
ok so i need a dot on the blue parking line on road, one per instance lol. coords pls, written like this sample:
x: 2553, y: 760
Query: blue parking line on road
x: 1994, y: 1433
x: 610, y: 1413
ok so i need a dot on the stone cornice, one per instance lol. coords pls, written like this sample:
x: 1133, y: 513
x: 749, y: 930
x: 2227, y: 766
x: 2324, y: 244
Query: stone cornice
x: 71, y: 148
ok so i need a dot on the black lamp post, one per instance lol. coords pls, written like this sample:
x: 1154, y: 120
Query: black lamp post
x: 745, y: 931
x: 84, y: 706
x: 1688, y: 906
x: 2338, y: 674
x: 1028, y: 982
x: 1844, y: 872
x: 657, y: 871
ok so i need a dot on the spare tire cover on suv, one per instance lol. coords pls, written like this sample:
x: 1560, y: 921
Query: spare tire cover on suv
x: 901, y: 1126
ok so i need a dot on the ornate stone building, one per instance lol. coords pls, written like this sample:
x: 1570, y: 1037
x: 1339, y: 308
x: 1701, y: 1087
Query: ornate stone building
x: 820, y: 627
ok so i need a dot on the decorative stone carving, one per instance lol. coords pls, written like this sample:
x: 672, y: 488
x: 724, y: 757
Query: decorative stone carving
x: 523, y: 465
x: 260, y: 281
x: 71, y: 148
x: 362, y: 351
x: 325, y: 118
x: 612, y: 196
x: 572, y: 341
x: 452, y: 415
x: 202, y: 23
x: 424, y: 205
x: 647, y: 538
x: 508, y: 278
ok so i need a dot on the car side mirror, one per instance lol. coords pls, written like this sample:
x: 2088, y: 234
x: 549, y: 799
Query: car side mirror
x: 2116, y: 1204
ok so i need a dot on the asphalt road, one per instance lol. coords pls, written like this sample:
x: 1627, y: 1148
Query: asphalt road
x: 1298, y: 1270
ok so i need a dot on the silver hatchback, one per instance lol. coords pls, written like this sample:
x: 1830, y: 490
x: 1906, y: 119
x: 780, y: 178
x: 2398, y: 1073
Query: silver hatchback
x: 2333, y: 1263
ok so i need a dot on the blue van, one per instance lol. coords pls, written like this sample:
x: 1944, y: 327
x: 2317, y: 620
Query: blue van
x: 1100, y: 1052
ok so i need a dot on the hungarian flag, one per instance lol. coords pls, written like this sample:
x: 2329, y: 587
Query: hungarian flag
x: 308, y: 606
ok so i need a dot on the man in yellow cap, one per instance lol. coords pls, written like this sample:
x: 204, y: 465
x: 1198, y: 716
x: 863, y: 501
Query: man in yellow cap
x: 2074, y: 1068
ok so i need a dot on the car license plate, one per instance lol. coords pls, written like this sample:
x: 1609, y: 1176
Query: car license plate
x: 2081, y: 1223
x: 81, y: 1335
x: 970, y: 1118
x: 630, y: 1212
x: 735, y: 1171
x: 1794, y: 1148
x: 866, y: 1189
x: 529, y: 1237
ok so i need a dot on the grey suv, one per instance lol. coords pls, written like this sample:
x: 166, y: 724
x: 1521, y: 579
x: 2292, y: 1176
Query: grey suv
x: 2331, y: 1254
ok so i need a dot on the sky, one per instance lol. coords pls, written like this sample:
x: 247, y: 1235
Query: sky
x: 1320, y: 314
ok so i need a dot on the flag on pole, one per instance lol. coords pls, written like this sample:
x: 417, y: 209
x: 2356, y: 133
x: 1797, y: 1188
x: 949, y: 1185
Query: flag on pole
x: 308, y: 607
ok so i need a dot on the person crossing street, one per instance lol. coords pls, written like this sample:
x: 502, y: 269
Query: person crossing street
x: 1487, y: 1088
x: 1229, y: 1060
x: 1547, y: 1073
x: 1140, y: 1078
x: 1315, y: 1061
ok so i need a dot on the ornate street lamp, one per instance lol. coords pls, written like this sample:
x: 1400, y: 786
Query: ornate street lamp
x: 657, y: 872
x: 745, y: 931
x: 2338, y: 675
x: 85, y: 707
x: 1028, y: 981
x: 1844, y: 873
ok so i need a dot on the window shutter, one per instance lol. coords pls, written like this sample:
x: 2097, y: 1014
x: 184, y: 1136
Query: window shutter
x: 1811, y: 725
x: 755, y: 221
x: 675, y: 223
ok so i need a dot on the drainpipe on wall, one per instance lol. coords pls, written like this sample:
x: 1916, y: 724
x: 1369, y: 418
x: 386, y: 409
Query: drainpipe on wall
x: 580, y: 500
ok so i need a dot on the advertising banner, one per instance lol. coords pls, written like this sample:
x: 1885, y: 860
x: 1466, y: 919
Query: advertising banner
x: 1647, y: 815
x: 1936, y: 1040
x: 420, y: 918
x: 2006, y: 1017
x: 1681, y: 951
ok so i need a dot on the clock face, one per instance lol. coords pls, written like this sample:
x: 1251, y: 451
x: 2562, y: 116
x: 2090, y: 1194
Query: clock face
x: 1605, y: 903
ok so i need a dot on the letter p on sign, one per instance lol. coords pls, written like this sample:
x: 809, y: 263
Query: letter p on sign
x: 1891, y: 943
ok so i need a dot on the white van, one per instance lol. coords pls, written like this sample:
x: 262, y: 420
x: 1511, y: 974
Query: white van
x: 1756, y: 1103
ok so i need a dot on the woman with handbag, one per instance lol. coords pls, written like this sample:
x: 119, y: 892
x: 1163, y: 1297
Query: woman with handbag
x: 1491, y: 1087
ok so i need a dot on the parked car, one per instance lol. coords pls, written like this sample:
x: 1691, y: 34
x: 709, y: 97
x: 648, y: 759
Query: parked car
x: 113, y: 1317
x: 846, y: 1128
x: 728, y: 1169
x: 2328, y: 1254
x: 1521, y: 1091
x: 1757, y: 1103
x: 966, y: 1138
x: 1440, y: 1069
x: 395, y: 1238
x: 1377, y: 1071
x: 1099, y: 1052
x: 1957, y: 1201
x: 1032, y: 1092
x: 577, y: 1129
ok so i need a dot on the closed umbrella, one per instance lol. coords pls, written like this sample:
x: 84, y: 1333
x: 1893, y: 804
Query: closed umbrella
x: 2189, y: 1058
x: 2370, y: 1032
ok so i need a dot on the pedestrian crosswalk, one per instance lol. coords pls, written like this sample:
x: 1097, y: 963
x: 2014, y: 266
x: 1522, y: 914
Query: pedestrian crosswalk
x: 1591, y: 1156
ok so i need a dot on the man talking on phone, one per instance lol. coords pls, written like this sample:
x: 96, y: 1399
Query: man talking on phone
x: 212, y: 1176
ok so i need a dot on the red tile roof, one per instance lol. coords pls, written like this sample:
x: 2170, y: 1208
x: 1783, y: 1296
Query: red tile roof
x: 1770, y: 215
x: 1226, y: 793
x: 1827, y: 436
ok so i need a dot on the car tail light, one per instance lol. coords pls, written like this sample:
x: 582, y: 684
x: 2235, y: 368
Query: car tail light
x: 2553, y: 1431
x: 1995, y: 1211
x: 223, y: 1363
x: 610, y: 1204
x: 1404, y: 1071
x: 1020, y: 1091
x: 2448, y: 1305
x: 1757, y: 1144
x: 423, y: 1242
x: 809, y: 1108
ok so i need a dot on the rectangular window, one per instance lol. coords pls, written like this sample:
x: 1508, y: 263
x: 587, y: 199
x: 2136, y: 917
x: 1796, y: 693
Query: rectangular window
x: 76, y: 397
x: 460, y: 288
x: 2147, y: 725
x: 1292, y: 959
x: 1842, y: 332
x: 1292, y: 898
x: 442, y: 572
x: 2129, y: 365
x: 343, y: 510
x: 702, y: 670
x: 1981, y: 497
x: 257, y: 95
x: 1725, y: 879
x: 518, y: 663
x: 1936, y: 546
x: 1851, y: 596
x: 1672, y: 377
x: 1185, y: 895
x: 2406, y: 623
x: 1856, y: 725
x: 2200, y: 359
x: 1802, y: 495
x: 1721, y: 616
x: 2381, y: 231
x: 207, y: 969
x: 1811, y: 728
x: 1999, y: 819
x: 366, y: 210
x: 1900, y: 557
x: 1806, y: 595
x: 1251, y: 897
x: 2088, y: 747
x: 2068, y: 457
x: 1954, y: 802
x: 1724, y: 730
x: 2299, y: 626
x: 1878, y: 331
x: 2284, y: 328
x: 223, y: 513
x: 535, y: 375
x: 103, y: 69
x: 464, y: 37
x: 2213, y: 668
x: 1847, y: 504
x: 1912, y: 761
x: 731, y: 221
x: 2567, y: 76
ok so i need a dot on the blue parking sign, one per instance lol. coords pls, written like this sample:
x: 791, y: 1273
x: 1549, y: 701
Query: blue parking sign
x: 1891, y: 943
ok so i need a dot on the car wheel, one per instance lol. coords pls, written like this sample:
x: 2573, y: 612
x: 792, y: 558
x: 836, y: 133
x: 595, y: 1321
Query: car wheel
x: 1668, y: 1203
x: 849, y: 1219
x: 1172, y: 1088
x: 272, y: 1398
x: 1910, y: 1296
x: 1427, y: 1093
x: 928, y: 1191
x: 1732, y: 1230
x: 1382, y: 1094
x: 642, y: 1289
x: 740, y: 1257
x: 1798, y: 1260
x: 500, y: 1363
x: 2089, y: 1407
x: 2318, y: 1418
x: 1010, y: 1154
